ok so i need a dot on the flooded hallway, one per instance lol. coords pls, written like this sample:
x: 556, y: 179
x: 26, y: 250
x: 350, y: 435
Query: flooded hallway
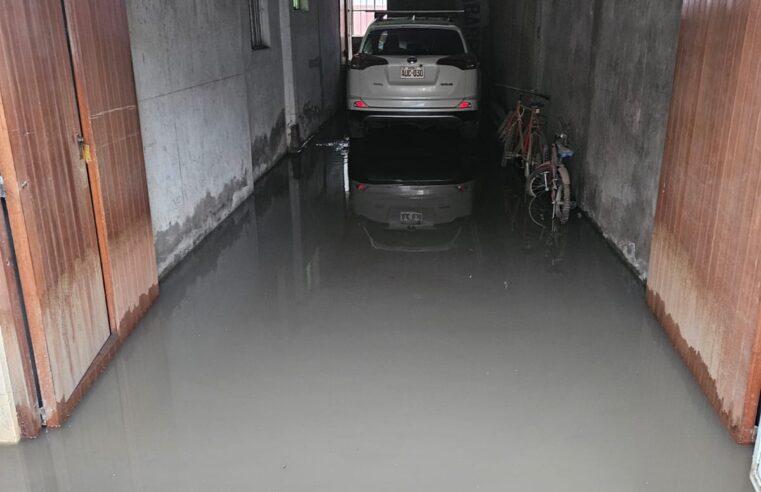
x: 380, y: 245
x: 287, y: 353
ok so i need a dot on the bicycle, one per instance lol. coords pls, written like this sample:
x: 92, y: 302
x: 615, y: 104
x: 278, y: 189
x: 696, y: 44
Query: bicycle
x: 552, y: 178
x: 521, y: 132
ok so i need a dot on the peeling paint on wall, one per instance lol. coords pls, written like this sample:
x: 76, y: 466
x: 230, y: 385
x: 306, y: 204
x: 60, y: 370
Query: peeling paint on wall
x: 310, y: 116
x: 174, y: 242
x: 268, y: 148
x: 213, y: 110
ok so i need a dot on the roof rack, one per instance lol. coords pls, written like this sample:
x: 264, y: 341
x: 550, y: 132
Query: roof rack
x: 422, y: 14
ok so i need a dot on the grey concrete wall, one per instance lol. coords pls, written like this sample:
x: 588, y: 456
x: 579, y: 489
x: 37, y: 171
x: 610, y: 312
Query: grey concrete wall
x: 565, y: 59
x: 609, y: 66
x: 634, y: 56
x: 212, y: 108
x: 515, y: 46
x: 316, y: 63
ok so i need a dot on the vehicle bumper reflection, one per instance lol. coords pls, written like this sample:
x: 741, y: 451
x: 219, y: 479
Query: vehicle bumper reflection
x: 409, y: 206
x: 413, y: 240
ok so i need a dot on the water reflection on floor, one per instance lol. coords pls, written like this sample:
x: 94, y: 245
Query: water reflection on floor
x: 289, y: 354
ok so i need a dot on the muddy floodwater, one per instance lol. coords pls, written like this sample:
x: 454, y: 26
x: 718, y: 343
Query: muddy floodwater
x: 303, y: 348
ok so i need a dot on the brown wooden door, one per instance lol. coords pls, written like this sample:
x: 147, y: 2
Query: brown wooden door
x: 705, y: 276
x: 102, y: 62
x: 12, y: 323
x: 49, y: 198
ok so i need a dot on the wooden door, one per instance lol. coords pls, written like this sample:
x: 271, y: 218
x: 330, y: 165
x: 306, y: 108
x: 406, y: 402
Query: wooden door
x: 12, y: 323
x: 705, y: 276
x: 49, y: 199
x: 102, y: 61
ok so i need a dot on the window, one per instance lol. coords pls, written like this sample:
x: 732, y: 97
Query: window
x: 363, y: 14
x: 257, y: 10
x: 300, y: 4
x: 414, y: 41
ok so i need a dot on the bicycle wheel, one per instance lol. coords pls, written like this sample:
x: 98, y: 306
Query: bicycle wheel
x: 539, y: 181
x: 563, y: 198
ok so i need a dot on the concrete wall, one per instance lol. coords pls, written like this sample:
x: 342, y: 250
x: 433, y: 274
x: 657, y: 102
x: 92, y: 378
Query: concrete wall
x: 316, y: 62
x: 636, y: 41
x: 515, y: 47
x: 213, y: 109
x: 609, y: 66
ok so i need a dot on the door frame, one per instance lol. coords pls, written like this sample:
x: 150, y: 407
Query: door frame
x: 14, y: 332
x: 755, y: 469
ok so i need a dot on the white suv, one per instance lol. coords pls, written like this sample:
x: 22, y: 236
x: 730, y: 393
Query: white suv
x: 413, y: 70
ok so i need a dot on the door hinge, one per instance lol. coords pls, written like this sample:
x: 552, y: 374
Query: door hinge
x: 84, y: 149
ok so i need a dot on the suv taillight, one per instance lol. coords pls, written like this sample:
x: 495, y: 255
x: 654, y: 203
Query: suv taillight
x: 361, y: 61
x: 467, y: 61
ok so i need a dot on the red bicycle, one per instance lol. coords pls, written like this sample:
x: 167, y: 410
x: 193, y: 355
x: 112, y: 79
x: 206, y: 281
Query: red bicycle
x: 521, y: 132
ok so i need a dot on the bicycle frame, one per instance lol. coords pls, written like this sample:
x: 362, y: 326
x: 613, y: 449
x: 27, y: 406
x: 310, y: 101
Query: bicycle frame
x: 554, y: 174
x: 526, y: 130
x: 552, y: 171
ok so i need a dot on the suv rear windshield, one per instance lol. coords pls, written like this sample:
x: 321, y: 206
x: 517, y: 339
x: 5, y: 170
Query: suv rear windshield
x: 413, y: 41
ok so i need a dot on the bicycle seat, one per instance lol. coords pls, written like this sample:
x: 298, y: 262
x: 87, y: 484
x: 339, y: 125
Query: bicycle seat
x: 536, y: 105
x: 564, y: 152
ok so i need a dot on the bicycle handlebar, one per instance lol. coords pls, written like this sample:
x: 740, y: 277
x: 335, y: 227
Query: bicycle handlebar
x: 525, y: 91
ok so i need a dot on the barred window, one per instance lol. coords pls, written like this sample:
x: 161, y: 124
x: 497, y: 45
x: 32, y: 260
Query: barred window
x: 258, y: 16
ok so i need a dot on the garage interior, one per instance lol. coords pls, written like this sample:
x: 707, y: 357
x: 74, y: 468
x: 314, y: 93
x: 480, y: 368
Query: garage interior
x: 187, y: 300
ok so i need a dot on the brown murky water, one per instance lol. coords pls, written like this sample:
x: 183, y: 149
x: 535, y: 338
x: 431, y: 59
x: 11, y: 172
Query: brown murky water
x: 288, y: 354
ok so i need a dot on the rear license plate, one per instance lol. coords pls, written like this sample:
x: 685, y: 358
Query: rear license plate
x: 411, y: 218
x: 413, y: 73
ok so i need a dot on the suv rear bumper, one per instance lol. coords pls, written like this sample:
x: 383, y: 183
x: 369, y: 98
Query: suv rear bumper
x: 448, y: 119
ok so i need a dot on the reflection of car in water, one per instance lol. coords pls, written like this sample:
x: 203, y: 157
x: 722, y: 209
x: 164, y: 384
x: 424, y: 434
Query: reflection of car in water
x: 439, y: 238
x: 422, y: 184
